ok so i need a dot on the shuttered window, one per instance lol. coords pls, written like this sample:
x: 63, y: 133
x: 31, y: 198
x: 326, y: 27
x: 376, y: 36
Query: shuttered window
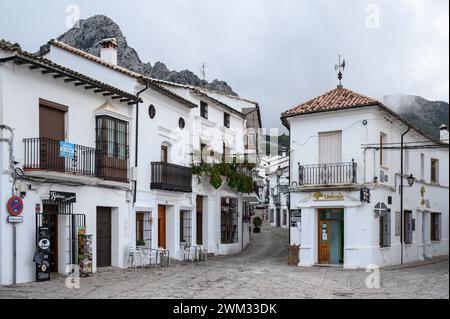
x: 408, y: 227
x: 436, y: 224
x: 204, y: 110
x: 384, y: 216
x: 330, y: 147
x: 112, y: 137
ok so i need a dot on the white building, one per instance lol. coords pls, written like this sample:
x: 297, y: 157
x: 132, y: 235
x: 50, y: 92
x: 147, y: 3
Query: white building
x: 342, y: 143
x: 179, y: 133
x: 44, y: 103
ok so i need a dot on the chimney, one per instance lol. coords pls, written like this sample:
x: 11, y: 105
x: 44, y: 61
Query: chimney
x: 444, y: 133
x: 108, y: 52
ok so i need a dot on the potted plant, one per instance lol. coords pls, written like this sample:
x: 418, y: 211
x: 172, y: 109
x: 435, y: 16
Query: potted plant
x: 140, y: 243
x: 257, y: 223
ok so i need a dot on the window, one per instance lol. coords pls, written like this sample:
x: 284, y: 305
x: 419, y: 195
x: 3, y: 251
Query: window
x: 202, y: 151
x: 204, y: 110
x: 164, y: 154
x: 397, y: 224
x: 112, y: 137
x: 185, y: 227
x: 408, y: 227
x: 436, y: 224
x: 330, y: 147
x: 406, y: 162
x: 422, y: 167
x: 226, y: 120
x: 229, y: 220
x: 434, y: 171
x: 143, y: 229
x: 383, y: 153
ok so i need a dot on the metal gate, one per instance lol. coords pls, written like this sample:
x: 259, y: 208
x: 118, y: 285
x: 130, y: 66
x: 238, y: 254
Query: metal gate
x: 71, y: 225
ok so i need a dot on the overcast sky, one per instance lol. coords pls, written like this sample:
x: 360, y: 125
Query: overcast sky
x: 279, y: 53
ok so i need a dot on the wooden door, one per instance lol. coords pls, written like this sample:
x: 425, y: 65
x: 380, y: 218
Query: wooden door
x: 51, y: 132
x: 324, y: 242
x: 162, y: 226
x: 199, y: 220
x: 103, y: 236
x: 164, y: 154
x: 51, y: 221
x: 278, y: 217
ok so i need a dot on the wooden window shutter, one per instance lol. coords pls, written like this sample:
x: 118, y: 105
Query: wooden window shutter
x: 388, y: 230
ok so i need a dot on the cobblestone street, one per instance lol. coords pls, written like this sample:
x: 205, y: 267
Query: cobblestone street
x: 259, y: 272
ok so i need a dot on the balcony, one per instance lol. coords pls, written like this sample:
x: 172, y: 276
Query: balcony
x: 328, y: 175
x: 170, y: 177
x: 42, y: 155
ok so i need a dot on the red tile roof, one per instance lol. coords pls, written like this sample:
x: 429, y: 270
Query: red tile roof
x: 336, y: 99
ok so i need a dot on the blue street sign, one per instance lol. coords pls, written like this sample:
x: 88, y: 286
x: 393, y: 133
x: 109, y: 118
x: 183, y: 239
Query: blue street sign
x: 66, y: 150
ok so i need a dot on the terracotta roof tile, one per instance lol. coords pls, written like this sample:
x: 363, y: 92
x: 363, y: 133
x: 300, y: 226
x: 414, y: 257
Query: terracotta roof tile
x: 339, y: 98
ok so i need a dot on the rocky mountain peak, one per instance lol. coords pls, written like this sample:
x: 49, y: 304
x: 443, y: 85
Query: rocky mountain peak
x: 91, y: 31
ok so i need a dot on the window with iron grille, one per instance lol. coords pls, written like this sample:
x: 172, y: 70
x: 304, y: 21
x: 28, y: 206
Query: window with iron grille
x: 226, y: 120
x: 186, y: 227
x: 229, y: 220
x: 144, y: 229
x: 204, y: 110
x: 408, y: 227
x: 436, y: 224
x: 112, y: 137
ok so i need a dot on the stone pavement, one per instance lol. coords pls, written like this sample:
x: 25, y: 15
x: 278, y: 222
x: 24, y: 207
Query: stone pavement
x: 259, y: 272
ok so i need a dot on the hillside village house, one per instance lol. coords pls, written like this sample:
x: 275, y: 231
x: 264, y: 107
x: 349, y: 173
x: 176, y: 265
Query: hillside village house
x: 145, y: 194
x: 45, y: 103
x: 345, y: 181
x: 185, y: 210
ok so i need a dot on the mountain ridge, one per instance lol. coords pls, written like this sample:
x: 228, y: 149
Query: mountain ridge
x: 92, y: 30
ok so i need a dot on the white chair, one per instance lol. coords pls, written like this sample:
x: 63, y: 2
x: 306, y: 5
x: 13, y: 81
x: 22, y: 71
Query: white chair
x: 150, y: 256
x: 135, y: 256
x: 202, y: 253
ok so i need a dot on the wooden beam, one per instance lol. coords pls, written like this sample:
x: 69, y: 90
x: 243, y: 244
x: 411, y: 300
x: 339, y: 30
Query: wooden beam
x: 99, y: 90
x: 57, y: 76
x: 34, y: 67
x: 116, y: 97
x: 89, y: 87
x: 47, y: 71
x: 69, y: 80
x: 80, y: 83
x: 124, y: 100
x: 108, y: 94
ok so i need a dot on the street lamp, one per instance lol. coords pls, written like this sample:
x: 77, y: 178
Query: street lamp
x: 411, y: 180
x: 279, y: 171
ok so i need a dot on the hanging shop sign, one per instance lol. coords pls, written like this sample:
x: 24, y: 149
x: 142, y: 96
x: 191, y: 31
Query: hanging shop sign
x: 63, y: 197
x: 15, y: 206
x: 365, y: 195
x: 320, y: 197
x: 66, y: 150
x: 42, y: 255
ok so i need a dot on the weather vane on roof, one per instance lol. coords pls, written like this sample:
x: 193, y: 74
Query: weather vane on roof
x: 341, y: 68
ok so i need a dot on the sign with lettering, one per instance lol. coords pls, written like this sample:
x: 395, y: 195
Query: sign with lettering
x: 296, y: 215
x: 15, y: 219
x: 320, y: 197
x: 66, y: 150
x: 63, y: 197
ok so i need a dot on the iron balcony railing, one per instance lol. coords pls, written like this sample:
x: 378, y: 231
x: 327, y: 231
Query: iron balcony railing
x: 44, y: 154
x: 171, y: 177
x: 328, y: 174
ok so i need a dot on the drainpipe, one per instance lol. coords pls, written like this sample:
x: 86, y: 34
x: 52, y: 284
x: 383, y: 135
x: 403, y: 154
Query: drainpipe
x: 136, y: 148
x: 401, y: 194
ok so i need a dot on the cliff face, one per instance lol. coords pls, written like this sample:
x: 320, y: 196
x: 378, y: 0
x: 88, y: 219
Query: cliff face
x: 426, y: 115
x: 94, y: 29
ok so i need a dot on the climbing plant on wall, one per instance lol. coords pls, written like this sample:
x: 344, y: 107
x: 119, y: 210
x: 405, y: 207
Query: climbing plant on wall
x: 233, y: 172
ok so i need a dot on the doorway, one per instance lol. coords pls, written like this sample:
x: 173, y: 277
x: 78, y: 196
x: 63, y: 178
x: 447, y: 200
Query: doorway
x: 103, y: 237
x: 278, y: 217
x: 162, y: 226
x: 50, y: 220
x: 331, y: 236
x: 200, y: 220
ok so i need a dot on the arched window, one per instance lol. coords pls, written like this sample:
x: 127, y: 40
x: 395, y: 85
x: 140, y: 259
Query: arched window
x: 380, y: 209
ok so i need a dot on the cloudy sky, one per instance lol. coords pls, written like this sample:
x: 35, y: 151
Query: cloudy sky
x: 279, y: 53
